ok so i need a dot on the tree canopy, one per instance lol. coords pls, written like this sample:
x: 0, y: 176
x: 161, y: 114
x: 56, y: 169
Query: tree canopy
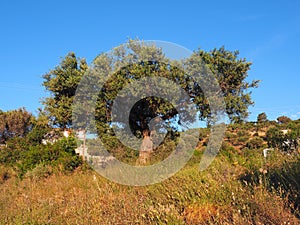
x: 283, y: 120
x: 229, y: 70
x: 262, y: 118
x: 14, y: 123
x: 61, y: 82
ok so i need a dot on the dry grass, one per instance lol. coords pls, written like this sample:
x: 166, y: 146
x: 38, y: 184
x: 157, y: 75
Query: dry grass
x: 216, y: 196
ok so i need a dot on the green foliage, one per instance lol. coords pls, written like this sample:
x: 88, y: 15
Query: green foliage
x: 114, y: 147
x: 14, y: 123
x: 262, y: 118
x: 243, y: 127
x: 238, y: 188
x: 203, y: 133
x: 26, y: 157
x: 294, y: 127
x: 255, y: 143
x: 230, y: 136
x: 243, y: 139
x: 132, y: 62
x: 285, y: 180
x: 40, y: 171
x: 228, y: 151
x: 12, y: 153
x: 275, y: 137
x: 132, y: 56
x: 280, y: 175
x: 69, y: 163
x: 242, y: 133
x: 231, y: 72
x: 40, y: 127
x: 287, y: 142
x: 68, y: 145
x: 62, y: 83
x: 283, y: 120
x: 36, y: 135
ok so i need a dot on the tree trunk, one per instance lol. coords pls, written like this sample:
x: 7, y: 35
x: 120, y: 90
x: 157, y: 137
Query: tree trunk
x: 146, y: 149
x: 84, y: 144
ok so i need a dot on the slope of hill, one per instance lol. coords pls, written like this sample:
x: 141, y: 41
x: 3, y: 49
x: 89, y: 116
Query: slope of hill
x: 241, y: 186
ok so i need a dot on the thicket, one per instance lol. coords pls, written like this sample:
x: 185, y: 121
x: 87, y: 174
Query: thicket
x: 27, y: 154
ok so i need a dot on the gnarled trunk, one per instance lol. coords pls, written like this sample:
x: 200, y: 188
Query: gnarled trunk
x: 146, y: 148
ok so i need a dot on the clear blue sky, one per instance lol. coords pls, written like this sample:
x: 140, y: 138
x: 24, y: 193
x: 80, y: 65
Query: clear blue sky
x: 36, y: 34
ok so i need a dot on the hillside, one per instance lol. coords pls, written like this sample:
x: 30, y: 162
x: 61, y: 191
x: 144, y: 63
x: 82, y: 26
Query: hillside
x: 239, y: 187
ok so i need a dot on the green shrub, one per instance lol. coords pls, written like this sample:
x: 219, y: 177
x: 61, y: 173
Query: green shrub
x: 69, y: 163
x: 40, y: 171
x: 230, y: 135
x: 60, y: 154
x: 255, y: 143
x: 242, y: 133
x: 10, y: 154
x: 67, y: 145
x: 274, y: 137
x: 36, y: 135
x: 243, y: 139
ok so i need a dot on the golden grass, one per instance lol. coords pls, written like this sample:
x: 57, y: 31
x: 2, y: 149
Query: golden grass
x: 215, y: 196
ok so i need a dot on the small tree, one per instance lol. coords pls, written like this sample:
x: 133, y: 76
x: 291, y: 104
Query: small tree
x: 275, y: 137
x: 14, y: 123
x: 283, y: 120
x: 62, y: 83
x: 39, y: 130
x: 262, y: 118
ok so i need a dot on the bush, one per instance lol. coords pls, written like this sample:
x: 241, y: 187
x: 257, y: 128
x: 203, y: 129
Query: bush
x: 283, y: 120
x: 274, y: 137
x: 69, y: 163
x: 242, y: 133
x: 40, y: 171
x: 60, y: 154
x: 255, y: 143
x: 243, y: 139
x: 230, y: 136
x: 12, y: 153
x: 67, y: 145
x: 36, y: 135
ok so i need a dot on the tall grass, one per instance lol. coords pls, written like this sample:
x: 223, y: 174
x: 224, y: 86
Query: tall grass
x: 235, y: 189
